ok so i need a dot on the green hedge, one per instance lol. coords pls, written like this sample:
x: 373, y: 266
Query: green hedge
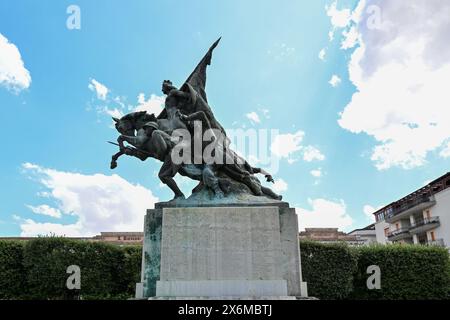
x: 132, y: 267
x: 107, y: 271
x: 328, y: 269
x: 406, y: 272
x: 36, y: 269
x: 337, y: 271
x: 12, y: 272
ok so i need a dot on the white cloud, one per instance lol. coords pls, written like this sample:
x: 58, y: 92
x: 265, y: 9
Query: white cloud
x: 280, y: 186
x: 317, y: 173
x: 290, y: 146
x: 116, y: 112
x: 351, y: 38
x: 322, y: 54
x: 401, y: 73
x: 45, y: 210
x: 311, y: 153
x: 99, y: 202
x: 253, y: 117
x: 342, y: 18
x: 291, y: 160
x: 31, y: 228
x: 331, y: 35
x: 100, y: 89
x: 154, y: 104
x: 324, y: 214
x: 118, y: 106
x: 284, y: 145
x: 13, y: 74
x: 368, y: 211
x: 334, y: 81
x: 445, y: 152
x: 339, y: 18
x: 30, y: 166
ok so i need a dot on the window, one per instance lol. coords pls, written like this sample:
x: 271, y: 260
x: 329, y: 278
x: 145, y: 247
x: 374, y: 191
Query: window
x: 386, y: 231
x: 397, y: 226
x: 433, y: 238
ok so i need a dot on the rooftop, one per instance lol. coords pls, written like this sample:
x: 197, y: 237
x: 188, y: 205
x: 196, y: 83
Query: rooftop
x: 115, y: 233
x: 435, y: 186
x: 370, y: 227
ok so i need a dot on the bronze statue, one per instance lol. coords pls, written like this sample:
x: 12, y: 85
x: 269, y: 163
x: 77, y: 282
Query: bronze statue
x: 158, y: 137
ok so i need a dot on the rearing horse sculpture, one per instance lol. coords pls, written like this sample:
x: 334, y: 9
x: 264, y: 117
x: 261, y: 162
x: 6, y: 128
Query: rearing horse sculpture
x: 152, y: 137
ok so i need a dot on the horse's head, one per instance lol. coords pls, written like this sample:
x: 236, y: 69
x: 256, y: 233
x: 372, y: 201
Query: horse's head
x: 124, y: 126
x: 133, y: 121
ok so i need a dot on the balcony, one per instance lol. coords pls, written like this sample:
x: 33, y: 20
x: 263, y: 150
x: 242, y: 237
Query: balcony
x: 437, y: 242
x: 409, y: 207
x: 424, y: 225
x: 398, y: 234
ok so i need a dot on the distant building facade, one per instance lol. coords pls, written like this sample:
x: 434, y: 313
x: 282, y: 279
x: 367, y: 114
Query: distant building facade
x: 366, y: 235
x: 422, y: 217
x: 329, y: 235
x: 120, y: 238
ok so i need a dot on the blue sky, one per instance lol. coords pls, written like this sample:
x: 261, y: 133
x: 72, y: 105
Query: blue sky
x: 380, y: 132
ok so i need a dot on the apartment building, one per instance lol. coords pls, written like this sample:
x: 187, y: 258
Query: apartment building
x: 421, y: 217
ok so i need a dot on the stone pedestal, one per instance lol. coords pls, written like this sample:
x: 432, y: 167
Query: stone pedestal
x: 223, y: 251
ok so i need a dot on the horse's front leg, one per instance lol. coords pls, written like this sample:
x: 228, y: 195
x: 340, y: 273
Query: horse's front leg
x: 114, y: 159
x: 133, y: 140
x: 123, y: 149
x: 130, y: 139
